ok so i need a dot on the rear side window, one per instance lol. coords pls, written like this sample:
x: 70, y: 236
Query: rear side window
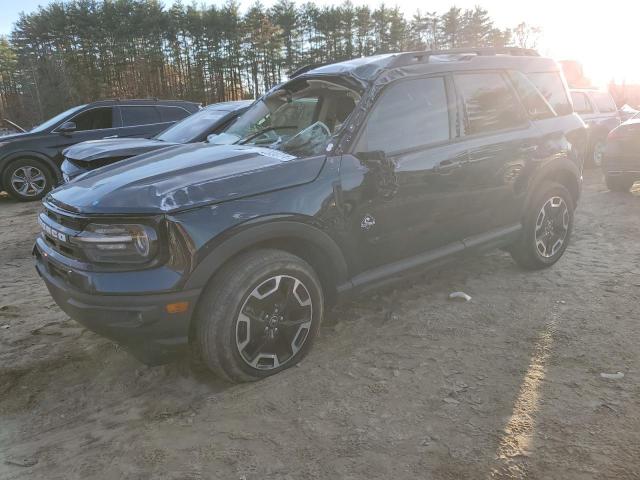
x: 489, y: 103
x: 139, y: 115
x: 94, y: 119
x: 604, y: 102
x: 536, y: 105
x: 581, y: 103
x: 408, y: 114
x: 172, y: 114
x: 552, y: 87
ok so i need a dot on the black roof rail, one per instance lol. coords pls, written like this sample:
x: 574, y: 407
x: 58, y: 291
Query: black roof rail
x: 411, y: 58
x: 305, y: 69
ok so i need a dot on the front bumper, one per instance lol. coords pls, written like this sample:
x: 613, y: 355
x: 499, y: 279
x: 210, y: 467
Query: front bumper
x: 139, y: 322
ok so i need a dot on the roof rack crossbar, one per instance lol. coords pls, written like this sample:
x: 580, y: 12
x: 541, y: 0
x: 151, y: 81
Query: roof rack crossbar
x: 411, y: 58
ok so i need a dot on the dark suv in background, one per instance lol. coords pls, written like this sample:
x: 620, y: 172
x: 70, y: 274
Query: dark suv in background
x: 599, y: 111
x: 30, y: 161
x: 87, y: 156
x: 341, y: 179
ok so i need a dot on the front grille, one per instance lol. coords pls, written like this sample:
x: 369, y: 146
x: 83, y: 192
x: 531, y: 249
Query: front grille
x: 58, y: 228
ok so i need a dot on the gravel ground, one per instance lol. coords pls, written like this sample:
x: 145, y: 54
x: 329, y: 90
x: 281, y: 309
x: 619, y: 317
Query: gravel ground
x: 403, y: 384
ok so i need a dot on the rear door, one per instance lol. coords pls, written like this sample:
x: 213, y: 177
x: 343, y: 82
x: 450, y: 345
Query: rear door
x: 500, y: 141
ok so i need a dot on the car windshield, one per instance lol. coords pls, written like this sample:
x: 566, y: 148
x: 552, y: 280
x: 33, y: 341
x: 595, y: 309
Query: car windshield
x: 299, y: 118
x: 193, y: 126
x: 53, y: 121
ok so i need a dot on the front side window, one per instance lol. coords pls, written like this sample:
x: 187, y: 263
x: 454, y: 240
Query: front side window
x: 408, y: 114
x: 52, y: 121
x: 489, y: 103
x: 550, y: 84
x: 94, y: 119
x: 581, y: 102
x: 604, y: 102
x: 139, y: 115
x: 299, y: 118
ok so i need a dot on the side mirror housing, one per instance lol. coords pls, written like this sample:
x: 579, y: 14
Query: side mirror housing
x: 67, y: 127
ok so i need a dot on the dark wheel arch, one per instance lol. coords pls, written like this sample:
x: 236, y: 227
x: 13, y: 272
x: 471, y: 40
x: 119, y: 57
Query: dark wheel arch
x: 301, y: 239
x: 6, y: 161
x: 562, y: 171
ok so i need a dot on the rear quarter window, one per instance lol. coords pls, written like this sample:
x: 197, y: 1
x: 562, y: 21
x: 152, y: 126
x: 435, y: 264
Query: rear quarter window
x: 550, y: 84
x: 581, y: 103
x: 172, y: 114
x: 604, y: 102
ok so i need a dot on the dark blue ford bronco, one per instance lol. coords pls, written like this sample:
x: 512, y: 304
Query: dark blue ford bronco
x: 343, y: 178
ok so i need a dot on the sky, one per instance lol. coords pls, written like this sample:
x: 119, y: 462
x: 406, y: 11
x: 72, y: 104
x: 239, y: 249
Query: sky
x: 599, y: 34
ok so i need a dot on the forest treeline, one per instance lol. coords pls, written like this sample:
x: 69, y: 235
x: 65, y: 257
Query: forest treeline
x: 78, y: 51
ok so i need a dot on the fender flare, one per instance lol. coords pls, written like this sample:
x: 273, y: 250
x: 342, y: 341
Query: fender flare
x: 30, y: 154
x: 252, y: 234
x: 556, y: 170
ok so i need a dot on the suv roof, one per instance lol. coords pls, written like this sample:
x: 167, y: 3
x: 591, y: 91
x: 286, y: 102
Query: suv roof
x: 145, y: 101
x: 369, y: 68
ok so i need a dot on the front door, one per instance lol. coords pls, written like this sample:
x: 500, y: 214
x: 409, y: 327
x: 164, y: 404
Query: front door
x: 400, y: 183
x: 92, y: 124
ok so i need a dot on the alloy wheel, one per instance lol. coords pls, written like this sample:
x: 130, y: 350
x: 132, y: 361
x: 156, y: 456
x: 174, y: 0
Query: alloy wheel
x: 28, y: 181
x: 274, y: 322
x: 552, y: 227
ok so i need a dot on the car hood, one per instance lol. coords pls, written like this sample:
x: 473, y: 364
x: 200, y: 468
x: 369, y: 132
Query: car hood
x: 184, y: 177
x: 16, y: 136
x: 113, y: 148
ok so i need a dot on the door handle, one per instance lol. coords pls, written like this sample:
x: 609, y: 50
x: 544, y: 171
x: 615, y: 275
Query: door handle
x: 449, y: 165
x: 110, y: 136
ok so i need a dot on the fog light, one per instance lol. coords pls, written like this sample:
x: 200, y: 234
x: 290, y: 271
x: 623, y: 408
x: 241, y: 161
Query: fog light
x: 177, y: 307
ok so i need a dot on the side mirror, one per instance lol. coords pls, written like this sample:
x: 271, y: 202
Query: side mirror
x: 67, y: 127
x: 211, y: 138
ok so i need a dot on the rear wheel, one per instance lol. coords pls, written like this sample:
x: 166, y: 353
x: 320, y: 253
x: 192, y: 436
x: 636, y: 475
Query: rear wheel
x: 27, y: 179
x: 618, y: 183
x: 259, y: 315
x: 547, y: 228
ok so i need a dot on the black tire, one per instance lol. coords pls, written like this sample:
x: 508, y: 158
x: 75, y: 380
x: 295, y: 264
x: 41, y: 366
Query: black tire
x: 527, y: 250
x: 40, y: 179
x: 218, y: 325
x: 618, y: 183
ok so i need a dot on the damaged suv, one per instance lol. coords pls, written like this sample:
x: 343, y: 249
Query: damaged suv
x: 341, y: 179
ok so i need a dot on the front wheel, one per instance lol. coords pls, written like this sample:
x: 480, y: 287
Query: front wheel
x: 259, y: 315
x: 27, y: 179
x: 547, y: 228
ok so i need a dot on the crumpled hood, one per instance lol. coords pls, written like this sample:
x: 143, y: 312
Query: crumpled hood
x: 183, y: 177
x: 113, y: 148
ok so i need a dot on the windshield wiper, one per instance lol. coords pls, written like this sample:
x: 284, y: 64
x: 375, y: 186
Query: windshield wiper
x: 260, y: 132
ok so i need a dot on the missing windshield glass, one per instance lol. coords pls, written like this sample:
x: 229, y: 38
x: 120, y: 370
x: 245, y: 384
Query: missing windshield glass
x: 299, y: 120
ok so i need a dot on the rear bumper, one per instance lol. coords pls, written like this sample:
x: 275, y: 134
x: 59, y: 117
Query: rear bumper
x: 139, y: 322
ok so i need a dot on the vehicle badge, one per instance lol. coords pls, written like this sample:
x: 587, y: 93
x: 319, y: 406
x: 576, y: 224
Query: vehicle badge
x: 367, y: 222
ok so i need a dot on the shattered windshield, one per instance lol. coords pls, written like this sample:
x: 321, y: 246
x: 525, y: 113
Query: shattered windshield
x: 299, y: 118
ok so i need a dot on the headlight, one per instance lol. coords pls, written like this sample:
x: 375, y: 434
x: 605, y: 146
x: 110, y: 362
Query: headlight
x: 118, y: 243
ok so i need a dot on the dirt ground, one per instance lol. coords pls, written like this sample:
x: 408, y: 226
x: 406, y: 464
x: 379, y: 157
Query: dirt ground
x: 404, y: 384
